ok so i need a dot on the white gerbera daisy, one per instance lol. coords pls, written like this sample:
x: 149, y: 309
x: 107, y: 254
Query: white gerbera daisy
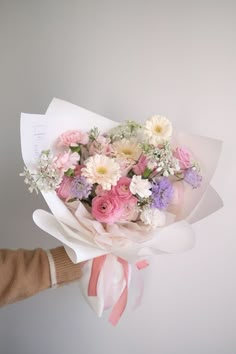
x: 127, y: 149
x: 102, y: 170
x: 158, y: 129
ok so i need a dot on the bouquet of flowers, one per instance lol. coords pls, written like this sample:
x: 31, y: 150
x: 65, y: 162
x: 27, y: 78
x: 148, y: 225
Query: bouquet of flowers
x: 118, y: 192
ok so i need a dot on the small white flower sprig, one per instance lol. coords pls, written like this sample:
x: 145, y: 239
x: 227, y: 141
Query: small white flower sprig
x: 161, y: 158
x: 46, y: 176
x: 126, y: 130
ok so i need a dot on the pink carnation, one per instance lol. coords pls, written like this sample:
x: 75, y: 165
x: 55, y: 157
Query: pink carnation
x: 125, y: 166
x: 139, y: 168
x: 66, y: 160
x: 64, y: 190
x: 121, y: 189
x: 77, y: 170
x: 100, y: 146
x: 184, y: 157
x: 107, y: 208
x: 73, y: 138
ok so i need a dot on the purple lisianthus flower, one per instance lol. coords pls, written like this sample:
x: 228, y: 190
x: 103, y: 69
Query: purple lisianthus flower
x: 162, y: 192
x: 80, y: 188
x: 192, y: 177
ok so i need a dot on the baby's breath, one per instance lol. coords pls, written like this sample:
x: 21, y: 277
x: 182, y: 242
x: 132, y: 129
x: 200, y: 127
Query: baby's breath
x: 46, y: 177
x: 29, y: 179
x: 126, y: 130
x: 167, y: 164
x: 93, y: 134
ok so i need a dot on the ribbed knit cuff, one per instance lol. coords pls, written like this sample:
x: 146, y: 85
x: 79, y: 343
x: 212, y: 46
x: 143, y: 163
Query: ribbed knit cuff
x: 62, y: 269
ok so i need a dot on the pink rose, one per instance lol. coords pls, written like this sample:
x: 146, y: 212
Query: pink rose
x: 107, y: 208
x: 184, y: 157
x: 121, y: 189
x: 64, y: 190
x: 73, y: 138
x: 66, y: 160
x: 130, y: 211
x: 139, y: 168
x: 100, y: 146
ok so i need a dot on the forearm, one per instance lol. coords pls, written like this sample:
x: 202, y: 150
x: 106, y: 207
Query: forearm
x: 24, y: 273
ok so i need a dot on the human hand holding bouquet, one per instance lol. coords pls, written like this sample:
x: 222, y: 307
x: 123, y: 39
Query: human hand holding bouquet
x: 118, y: 192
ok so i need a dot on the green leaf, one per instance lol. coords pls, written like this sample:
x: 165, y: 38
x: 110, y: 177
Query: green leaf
x: 147, y: 172
x: 69, y: 172
x: 72, y: 200
x: 75, y: 149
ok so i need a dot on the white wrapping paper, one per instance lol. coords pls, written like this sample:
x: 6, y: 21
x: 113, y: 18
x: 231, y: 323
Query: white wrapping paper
x: 85, y: 238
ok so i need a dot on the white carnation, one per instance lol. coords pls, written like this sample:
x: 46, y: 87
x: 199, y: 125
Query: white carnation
x: 153, y: 217
x: 140, y: 186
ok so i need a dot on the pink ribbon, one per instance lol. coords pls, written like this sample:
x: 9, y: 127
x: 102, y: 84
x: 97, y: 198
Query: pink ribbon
x: 120, y: 306
x: 95, y: 271
x: 121, y: 303
x: 142, y: 264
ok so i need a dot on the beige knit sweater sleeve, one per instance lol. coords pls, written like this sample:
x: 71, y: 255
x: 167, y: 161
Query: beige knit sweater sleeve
x: 24, y: 273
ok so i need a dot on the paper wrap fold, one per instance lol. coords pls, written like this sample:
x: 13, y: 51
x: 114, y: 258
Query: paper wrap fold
x: 83, y: 237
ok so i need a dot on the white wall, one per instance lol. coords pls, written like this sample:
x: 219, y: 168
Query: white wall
x: 124, y: 59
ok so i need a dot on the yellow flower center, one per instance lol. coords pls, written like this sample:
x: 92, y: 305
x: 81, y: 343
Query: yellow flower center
x: 158, y: 129
x: 102, y: 170
x: 127, y: 151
